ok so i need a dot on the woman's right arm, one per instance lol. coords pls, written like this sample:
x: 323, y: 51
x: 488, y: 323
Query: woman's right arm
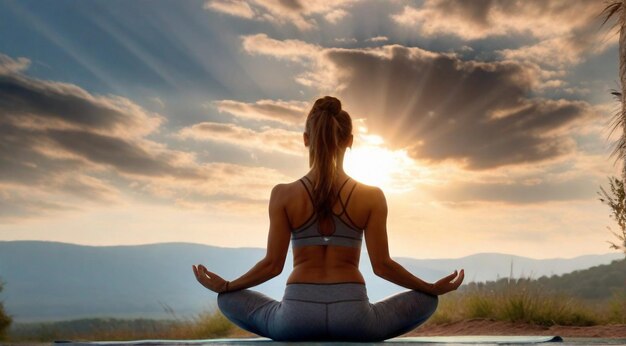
x: 388, y: 269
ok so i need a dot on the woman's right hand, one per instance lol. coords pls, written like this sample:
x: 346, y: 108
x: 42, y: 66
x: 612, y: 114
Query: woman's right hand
x: 448, y: 283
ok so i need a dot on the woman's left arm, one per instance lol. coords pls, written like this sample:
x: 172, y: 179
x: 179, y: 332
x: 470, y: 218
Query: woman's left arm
x: 273, y: 262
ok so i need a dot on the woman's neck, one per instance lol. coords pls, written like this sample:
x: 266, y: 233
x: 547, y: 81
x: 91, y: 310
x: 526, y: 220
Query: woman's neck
x: 340, y: 174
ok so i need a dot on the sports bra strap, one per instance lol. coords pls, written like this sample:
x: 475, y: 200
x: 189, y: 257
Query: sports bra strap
x: 307, y: 189
x: 341, y: 187
x: 350, y: 195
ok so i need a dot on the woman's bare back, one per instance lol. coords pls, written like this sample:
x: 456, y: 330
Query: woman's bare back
x: 327, y: 263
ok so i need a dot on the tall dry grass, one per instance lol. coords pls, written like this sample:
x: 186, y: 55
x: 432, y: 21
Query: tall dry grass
x: 522, y: 300
x: 206, y: 325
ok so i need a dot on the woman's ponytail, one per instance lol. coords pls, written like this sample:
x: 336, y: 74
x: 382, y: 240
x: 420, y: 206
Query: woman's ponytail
x: 329, y: 128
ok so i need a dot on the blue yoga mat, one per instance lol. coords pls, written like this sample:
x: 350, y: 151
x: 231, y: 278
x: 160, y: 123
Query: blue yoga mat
x: 470, y: 339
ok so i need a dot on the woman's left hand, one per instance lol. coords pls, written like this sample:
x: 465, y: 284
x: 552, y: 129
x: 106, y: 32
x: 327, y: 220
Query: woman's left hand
x: 209, y: 280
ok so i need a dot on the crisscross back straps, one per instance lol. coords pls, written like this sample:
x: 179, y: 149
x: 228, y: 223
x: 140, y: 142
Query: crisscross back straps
x: 308, y: 192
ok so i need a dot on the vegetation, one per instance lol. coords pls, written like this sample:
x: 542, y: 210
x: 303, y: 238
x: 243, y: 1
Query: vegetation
x: 205, y: 326
x: 582, y: 298
x: 527, y: 301
x: 616, y: 200
x: 5, y: 320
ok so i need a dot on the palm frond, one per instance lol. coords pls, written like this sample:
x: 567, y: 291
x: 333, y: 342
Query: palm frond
x: 617, y: 121
x: 612, y: 8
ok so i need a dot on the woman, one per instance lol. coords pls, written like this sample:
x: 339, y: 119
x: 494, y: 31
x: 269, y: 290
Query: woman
x: 325, y: 215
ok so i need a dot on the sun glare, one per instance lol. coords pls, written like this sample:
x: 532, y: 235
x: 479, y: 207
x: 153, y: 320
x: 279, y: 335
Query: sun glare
x: 371, y: 163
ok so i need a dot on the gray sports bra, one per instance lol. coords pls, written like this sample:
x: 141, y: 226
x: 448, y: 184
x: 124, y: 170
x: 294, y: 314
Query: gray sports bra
x: 345, y: 233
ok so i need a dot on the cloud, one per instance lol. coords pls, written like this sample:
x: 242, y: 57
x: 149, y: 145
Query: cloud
x: 43, y: 104
x: 8, y: 65
x: 300, y: 13
x: 516, y: 193
x: 268, y: 139
x: 548, y: 183
x: 294, y: 50
x: 442, y: 108
x: 17, y: 204
x: 63, y: 148
x: 378, y: 39
x: 439, y: 107
x: 346, y: 40
x: 286, y: 112
x: 231, y: 7
x: 335, y: 15
x: 484, y: 18
x: 559, y: 51
x: 564, y: 30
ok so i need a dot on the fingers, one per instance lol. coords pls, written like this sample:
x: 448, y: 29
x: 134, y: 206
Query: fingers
x: 209, y: 274
x: 461, y: 276
x: 450, y: 277
x: 459, y: 280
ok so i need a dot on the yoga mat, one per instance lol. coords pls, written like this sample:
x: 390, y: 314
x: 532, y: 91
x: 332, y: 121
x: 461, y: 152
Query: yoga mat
x: 470, y: 339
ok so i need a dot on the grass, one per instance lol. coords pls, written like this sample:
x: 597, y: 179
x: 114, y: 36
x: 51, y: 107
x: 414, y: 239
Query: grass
x: 522, y: 301
x: 205, y: 325
x: 525, y: 301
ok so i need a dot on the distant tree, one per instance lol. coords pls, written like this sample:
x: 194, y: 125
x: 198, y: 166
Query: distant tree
x: 616, y: 200
x: 5, y: 320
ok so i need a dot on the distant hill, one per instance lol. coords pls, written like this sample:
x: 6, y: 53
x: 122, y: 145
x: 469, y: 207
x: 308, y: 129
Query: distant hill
x: 593, y: 283
x: 54, y: 281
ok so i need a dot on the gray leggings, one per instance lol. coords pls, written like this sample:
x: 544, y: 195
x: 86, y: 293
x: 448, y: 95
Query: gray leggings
x: 325, y: 312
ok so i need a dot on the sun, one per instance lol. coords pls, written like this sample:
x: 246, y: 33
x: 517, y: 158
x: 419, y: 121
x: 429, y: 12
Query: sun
x: 371, y: 163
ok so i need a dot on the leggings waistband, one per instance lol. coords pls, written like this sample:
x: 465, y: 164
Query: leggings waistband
x: 326, y: 292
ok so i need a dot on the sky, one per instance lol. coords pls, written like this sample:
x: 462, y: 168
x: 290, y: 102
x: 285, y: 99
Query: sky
x: 486, y: 123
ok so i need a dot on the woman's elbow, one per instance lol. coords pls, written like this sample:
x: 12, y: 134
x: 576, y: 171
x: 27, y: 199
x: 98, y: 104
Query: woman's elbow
x: 381, y: 268
x: 275, y: 267
x: 276, y: 270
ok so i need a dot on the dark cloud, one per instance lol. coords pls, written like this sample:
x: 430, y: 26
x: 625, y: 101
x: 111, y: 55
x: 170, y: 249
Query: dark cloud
x: 61, y: 117
x: 59, y: 142
x: 440, y: 107
x: 56, y: 138
x: 123, y: 155
x: 21, y: 98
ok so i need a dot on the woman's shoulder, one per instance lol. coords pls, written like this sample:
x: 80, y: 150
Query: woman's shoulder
x: 365, y: 188
x: 367, y: 192
x: 284, y: 190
